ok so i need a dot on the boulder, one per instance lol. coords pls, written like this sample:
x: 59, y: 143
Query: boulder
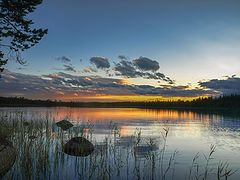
x: 78, y: 146
x: 64, y: 125
x: 7, y: 156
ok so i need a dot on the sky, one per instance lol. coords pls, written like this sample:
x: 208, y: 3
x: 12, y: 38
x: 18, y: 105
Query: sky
x: 113, y: 50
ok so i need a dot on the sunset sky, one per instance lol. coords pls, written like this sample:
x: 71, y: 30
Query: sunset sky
x: 130, y: 50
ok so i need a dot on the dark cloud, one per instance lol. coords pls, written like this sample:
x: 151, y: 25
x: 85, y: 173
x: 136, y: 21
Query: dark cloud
x: 157, y: 76
x: 129, y: 70
x: 100, y: 62
x: 146, y: 64
x: 125, y: 68
x: 142, y: 67
x: 69, y: 67
x: 61, y: 84
x: 231, y: 85
x: 171, y: 91
x: 64, y: 59
x: 122, y: 57
x: 53, y: 85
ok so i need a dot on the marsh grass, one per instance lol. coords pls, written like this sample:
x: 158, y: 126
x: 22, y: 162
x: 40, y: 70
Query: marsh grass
x: 39, y: 144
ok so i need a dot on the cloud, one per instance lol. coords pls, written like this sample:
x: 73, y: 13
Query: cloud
x: 146, y: 64
x: 122, y: 57
x: 157, y: 76
x: 171, y: 91
x: 142, y: 67
x: 63, y: 59
x: 53, y: 85
x: 231, y: 85
x: 21, y: 68
x: 61, y: 85
x: 100, y: 62
x: 128, y: 69
x: 69, y: 67
x: 125, y: 68
x: 89, y: 70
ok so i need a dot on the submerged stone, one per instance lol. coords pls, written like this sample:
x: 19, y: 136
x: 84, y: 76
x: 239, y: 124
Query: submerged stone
x: 78, y: 146
x: 64, y: 125
x: 7, y: 156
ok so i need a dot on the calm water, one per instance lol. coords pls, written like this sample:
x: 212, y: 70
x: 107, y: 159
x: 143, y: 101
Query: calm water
x: 116, y: 131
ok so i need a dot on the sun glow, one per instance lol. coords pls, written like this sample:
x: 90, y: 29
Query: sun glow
x: 123, y: 98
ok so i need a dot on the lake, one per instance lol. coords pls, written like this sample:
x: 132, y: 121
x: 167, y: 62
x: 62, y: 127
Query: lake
x: 130, y: 143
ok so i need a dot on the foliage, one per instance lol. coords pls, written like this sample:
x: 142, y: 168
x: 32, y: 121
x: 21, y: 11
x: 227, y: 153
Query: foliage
x: 2, y: 61
x: 16, y: 32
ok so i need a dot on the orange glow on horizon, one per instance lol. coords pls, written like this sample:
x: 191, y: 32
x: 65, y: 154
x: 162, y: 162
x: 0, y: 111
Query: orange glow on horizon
x: 123, y: 98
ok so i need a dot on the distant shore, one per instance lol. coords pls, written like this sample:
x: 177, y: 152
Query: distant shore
x: 223, y: 102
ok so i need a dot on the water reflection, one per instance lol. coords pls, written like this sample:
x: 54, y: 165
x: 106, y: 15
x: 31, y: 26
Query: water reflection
x: 114, y: 134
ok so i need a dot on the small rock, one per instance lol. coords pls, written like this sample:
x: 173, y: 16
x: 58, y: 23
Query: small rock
x: 78, y: 146
x: 7, y: 156
x: 64, y: 124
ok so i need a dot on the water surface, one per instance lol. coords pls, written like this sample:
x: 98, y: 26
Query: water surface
x: 117, y: 128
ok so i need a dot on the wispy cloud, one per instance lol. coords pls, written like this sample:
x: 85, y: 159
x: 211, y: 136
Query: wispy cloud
x: 69, y: 67
x: 63, y: 59
x: 62, y: 85
x: 231, y: 85
x: 89, y: 70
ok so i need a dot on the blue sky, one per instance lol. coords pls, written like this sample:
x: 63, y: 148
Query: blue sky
x: 191, y: 40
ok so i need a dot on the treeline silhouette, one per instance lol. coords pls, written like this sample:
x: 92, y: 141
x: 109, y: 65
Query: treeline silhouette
x: 225, y: 102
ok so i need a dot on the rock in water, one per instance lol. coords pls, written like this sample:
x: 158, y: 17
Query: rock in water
x: 78, y: 146
x: 64, y: 124
x: 7, y: 156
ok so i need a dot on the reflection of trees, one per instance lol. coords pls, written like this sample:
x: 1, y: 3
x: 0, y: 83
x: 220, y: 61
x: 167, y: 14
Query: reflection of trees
x: 226, y: 102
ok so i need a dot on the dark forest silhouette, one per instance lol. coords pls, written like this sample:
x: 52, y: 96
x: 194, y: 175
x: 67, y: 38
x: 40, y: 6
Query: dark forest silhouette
x: 225, y: 102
